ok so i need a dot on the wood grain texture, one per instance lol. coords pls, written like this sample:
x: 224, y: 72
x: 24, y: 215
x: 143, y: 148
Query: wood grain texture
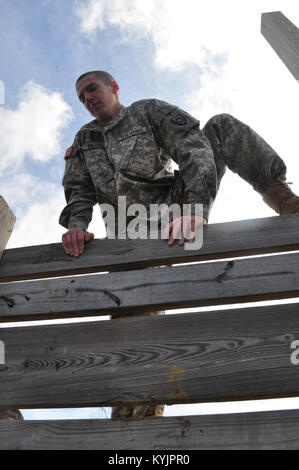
x: 276, y: 430
x: 7, y: 221
x: 242, y: 280
x: 182, y: 358
x: 257, y: 236
x: 283, y: 36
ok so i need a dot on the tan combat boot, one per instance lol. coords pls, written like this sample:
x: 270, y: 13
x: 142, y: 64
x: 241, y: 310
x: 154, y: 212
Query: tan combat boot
x: 281, y: 198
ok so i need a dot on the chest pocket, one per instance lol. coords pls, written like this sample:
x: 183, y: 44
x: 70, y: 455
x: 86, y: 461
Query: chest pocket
x: 140, y: 153
x: 99, y: 166
x: 94, y: 154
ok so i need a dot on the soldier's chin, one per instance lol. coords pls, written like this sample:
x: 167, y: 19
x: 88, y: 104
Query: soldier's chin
x: 97, y: 116
x: 101, y: 117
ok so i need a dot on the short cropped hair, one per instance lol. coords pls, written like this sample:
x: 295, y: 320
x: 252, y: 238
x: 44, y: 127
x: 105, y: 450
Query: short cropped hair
x: 105, y: 77
x: 10, y: 413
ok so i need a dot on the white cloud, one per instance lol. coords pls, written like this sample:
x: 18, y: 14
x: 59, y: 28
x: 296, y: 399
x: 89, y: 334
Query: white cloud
x: 38, y: 224
x: 237, y: 71
x: 34, y: 128
x: 183, y: 32
x: 37, y: 204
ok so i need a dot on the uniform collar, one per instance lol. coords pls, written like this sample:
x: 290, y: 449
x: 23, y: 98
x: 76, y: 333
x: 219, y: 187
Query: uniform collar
x: 112, y: 123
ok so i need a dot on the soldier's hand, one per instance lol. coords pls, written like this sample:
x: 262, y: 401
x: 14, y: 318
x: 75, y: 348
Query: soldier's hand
x: 73, y: 241
x: 181, y: 228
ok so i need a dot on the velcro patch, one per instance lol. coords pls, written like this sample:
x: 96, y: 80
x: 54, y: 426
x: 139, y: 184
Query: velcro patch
x: 179, y: 120
x: 68, y: 152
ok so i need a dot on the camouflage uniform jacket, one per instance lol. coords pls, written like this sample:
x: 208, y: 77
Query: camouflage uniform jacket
x: 131, y: 155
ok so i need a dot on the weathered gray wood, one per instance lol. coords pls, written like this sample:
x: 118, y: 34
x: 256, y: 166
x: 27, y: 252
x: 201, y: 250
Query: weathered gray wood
x: 7, y: 221
x: 272, y: 430
x: 283, y: 36
x: 241, y: 280
x: 267, y: 235
x: 182, y: 358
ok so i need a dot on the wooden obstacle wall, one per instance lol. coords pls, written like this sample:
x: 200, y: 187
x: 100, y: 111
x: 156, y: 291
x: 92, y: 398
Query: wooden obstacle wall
x: 216, y: 355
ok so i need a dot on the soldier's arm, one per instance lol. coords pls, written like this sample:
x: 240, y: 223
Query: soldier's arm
x: 179, y: 134
x: 80, y: 197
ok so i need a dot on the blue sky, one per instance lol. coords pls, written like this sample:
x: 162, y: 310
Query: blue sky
x: 206, y: 57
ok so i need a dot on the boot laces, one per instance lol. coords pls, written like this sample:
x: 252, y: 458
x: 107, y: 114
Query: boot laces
x: 285, y: 184
x: 288, y: 189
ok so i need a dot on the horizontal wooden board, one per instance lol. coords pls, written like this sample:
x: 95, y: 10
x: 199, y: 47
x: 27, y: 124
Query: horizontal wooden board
x: 181, y: 358
x: 230, y: 239
x: 212, y: 283
x: 271, y: 430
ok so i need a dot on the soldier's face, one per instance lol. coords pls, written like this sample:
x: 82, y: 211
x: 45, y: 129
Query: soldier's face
x: 101, y: 100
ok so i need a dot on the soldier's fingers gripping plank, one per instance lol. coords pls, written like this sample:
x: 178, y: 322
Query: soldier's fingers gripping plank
x: 73, y: 241
x: 183, y: 228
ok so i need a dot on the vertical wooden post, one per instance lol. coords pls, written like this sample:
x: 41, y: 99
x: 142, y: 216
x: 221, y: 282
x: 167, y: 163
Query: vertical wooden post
x: 283, y: 37
x: 7, y: 221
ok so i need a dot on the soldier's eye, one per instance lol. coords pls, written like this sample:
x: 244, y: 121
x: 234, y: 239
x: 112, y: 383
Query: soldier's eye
x: 91, y: 87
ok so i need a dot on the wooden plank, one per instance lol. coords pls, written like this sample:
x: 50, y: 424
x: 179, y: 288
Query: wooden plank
x: 283, y: 37
x: 183, y: 358
x: 214, y: 283
x: 271, y: 430
x: 230, y: 239
x: 7, y: 221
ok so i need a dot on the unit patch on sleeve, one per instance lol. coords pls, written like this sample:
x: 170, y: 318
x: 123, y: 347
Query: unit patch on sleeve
x: 179, y: 120
x: 68, y: 152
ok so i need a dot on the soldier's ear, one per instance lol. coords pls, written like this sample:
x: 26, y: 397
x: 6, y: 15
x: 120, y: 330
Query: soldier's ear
x: 115, y: 86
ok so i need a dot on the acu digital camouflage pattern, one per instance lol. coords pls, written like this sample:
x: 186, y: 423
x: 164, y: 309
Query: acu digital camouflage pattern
x: 131, y: 157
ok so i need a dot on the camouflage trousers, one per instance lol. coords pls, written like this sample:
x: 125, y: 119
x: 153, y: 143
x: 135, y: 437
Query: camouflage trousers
x: 236, y: 146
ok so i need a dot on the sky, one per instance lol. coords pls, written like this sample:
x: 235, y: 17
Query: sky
x: 205, y: 57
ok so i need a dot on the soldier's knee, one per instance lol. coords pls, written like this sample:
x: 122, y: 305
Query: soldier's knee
x: 220, y: 118
x: 221, y: 122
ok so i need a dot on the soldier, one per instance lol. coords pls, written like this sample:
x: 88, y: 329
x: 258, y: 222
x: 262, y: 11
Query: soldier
x: 127, y: 151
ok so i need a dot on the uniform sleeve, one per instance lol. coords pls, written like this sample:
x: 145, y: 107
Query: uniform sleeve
x: 79, y: 191
x: 179, y: 134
